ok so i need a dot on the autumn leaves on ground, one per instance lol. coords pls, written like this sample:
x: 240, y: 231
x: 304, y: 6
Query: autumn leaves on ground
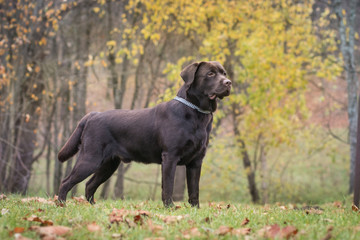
x: 40, y: 218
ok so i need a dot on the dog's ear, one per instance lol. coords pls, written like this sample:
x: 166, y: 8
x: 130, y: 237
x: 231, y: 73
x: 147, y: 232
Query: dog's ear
x: 188, y: 73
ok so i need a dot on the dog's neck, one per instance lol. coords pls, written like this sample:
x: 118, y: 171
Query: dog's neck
x: 203, y: 102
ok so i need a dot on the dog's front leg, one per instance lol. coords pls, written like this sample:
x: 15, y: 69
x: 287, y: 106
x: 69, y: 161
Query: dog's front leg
x: 168, y: 167
x: 193, y: 178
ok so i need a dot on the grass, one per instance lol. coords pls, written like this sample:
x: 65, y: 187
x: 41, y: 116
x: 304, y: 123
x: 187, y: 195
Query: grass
x: 211, y: 221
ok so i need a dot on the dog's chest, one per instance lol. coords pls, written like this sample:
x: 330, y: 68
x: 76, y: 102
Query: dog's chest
x: 195, y: 143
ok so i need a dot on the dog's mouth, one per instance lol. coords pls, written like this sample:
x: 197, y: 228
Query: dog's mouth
x: 213, y: 96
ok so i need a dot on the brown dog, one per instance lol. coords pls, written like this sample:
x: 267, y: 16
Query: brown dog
x: 172, y: 133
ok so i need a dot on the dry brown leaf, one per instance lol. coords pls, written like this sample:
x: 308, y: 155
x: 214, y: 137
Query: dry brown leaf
x: 313, y: 211
x: 80, y: 199
x: 191, y: 233
x: 337, y: 204
x: 245, y: 221
x: 207, y: 220
x: 171, y: 219
x: 275, y: 231
x: 33, y: 218
x: 154, y: 228
x: 241, y: 231
x: 119, y: 215
x: 93, y: 227
x: 138, y: 219
x: 52, y: 230
x: 223, y: 230
x: 355, y: 208
x: 47, y: 223
x: 16, y: 230
x: 288, y: 232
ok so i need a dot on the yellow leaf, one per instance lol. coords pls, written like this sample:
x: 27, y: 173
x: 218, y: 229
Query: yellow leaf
x: 42, y: 41
x: 111, y: 43
x: 104, y: 63
x: 96, y: 9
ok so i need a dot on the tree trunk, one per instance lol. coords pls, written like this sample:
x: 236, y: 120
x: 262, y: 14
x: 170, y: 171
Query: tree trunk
x: 27, y: 128
x: 179, y: 185
x: 347, y: 50
x: 119, y: 184
x: 264, y: 175
x: 250, y: 172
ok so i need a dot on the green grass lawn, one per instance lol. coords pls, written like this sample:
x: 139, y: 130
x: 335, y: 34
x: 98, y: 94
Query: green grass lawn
x: 115, y: 219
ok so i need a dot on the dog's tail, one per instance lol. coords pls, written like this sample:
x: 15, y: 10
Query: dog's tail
x: 71, y: 147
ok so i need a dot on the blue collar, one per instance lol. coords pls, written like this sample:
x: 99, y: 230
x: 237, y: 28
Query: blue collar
x: 189, y: 104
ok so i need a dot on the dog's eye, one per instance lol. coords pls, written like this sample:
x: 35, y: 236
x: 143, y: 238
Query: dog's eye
x: 224, y: 73
x: 211, y: 74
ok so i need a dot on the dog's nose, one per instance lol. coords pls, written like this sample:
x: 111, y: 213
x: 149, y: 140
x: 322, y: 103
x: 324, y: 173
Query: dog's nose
x: 227, y: 82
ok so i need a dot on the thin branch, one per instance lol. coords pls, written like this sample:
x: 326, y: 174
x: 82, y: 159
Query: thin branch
x: 139, y: 182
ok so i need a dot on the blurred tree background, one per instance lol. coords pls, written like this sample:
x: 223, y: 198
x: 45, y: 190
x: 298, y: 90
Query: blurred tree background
x: 286, y: 133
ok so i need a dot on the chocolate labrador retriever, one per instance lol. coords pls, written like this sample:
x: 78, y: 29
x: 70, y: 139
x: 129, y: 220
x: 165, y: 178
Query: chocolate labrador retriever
x: 172, y: 133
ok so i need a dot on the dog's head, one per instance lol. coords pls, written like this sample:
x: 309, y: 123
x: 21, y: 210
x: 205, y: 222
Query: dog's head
x: 204, y: 82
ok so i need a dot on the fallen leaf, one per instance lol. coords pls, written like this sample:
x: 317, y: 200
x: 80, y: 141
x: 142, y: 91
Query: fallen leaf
x: 138, y: 219
x: 354, y: 208
x: 51, y: 230
x: 313, y: 211
x: 154, y: 228
x: 245, y: 221
x: 283, y: 207
x: 173, y: 219
x: 119, y: 215
x: 33, y: 218
x: 337, y: 204
x: 288, y: 232
x: 207, y: 220
x: 16, y: 230
x: 223, y: 230
x: 241, y: 231
x: 191, y: 233
x: 80, y: 199
x: 273, y: 231
x: 93, y: 227
x: 144, y: 213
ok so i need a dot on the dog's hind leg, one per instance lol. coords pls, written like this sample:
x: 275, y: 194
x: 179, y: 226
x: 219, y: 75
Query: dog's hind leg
x: 100, y: 176
x: 82, y: 169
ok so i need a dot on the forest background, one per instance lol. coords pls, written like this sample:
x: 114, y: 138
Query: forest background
x: 286, y: 133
